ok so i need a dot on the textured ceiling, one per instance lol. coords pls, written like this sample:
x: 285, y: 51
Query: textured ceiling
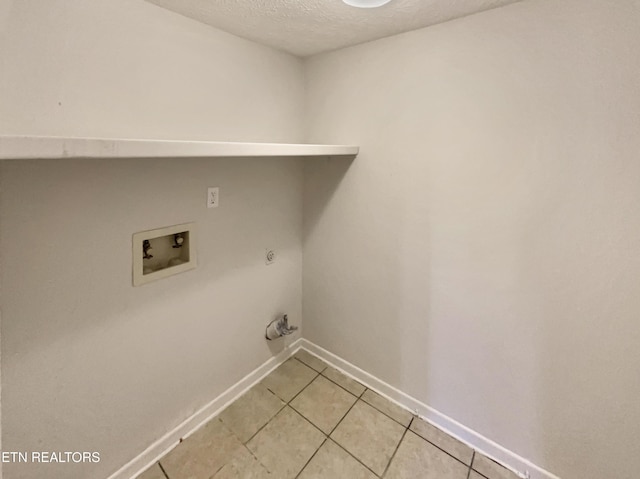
x: 307, y: 27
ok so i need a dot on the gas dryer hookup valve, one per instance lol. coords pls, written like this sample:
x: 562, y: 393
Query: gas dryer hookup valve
x: 278, y: 328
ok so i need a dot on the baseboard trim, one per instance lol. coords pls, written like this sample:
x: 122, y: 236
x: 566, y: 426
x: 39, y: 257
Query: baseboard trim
x: 475, y: 440
x: 159, y: 448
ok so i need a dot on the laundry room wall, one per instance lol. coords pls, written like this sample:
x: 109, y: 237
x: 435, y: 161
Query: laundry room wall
x: 481, y: 254
x: 89, y: 362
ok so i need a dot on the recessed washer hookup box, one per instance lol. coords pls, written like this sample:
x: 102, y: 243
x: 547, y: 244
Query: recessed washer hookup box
x: 163, y: 252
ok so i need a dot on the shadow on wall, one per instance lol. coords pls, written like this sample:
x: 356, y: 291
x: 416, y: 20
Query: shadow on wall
x: 340, y: 266
x: 322, y: 178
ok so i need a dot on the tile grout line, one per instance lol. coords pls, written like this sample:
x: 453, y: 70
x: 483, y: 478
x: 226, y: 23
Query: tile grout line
x: 382, y: 412
x: 305, y: 387
x: 252, y: 454
x: 345, y: 415
x: 256, y: 458
x: 477, y: 472
x: 288, y: 403
x: 317, y: 427
x: 354, y: 457
x: 334, y: 382
x: 163, y: 471
x: 444, y: 423
x: 335, y: 442
x: 328, y: 436
x: 311, y: 458
x: 340, y: 422
x: 296, y: 412
x: 440, y: 448
x: 387, y: 415
x: 473, y: 456
x: 342, y: 387
x: 395, y: 451
x: 408, y: 427
x: 481, y: 474
x: 309, y: 365
x: 219, y: 469
x: 265, y: 424
x: 321, y: 373
x: 285, y: 405
x: 300, y: 414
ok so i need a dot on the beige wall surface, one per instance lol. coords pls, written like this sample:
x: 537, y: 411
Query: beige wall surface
x: 482, y: 252
x: 129, y: 69
x: 90, y: 363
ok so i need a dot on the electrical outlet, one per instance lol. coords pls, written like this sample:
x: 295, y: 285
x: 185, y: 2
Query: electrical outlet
x: 213, y: 197
x: 270, y: 256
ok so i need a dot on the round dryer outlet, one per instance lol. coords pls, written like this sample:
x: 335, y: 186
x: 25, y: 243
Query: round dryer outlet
x: 270, y: 256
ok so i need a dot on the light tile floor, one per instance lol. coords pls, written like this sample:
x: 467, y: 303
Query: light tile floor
x: 307, y: 420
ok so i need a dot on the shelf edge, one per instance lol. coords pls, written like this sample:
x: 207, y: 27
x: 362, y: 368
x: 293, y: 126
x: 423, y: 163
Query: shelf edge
x: 44, y: 147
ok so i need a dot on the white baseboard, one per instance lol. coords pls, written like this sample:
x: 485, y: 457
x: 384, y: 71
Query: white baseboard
x: 475, y: 440
x: 159, y: 448
x: 470, y: 437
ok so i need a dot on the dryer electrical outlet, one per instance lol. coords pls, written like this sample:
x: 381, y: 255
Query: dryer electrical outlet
x: 269, y: 256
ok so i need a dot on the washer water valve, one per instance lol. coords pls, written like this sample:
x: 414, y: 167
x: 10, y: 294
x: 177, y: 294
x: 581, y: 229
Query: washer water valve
x: 146, y: 247
x: 178, y: 240
x: 279, y: 327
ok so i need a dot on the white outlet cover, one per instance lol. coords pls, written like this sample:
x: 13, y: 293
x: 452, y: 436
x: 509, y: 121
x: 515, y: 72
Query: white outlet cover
x: 213, y: 197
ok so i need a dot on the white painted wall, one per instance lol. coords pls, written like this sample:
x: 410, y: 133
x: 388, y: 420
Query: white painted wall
x: 88, y: 361
x: 125, y: 69
x: 482, y: 253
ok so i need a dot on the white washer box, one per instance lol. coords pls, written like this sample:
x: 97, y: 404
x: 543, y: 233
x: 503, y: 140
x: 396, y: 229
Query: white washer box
x: 169, y: 256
